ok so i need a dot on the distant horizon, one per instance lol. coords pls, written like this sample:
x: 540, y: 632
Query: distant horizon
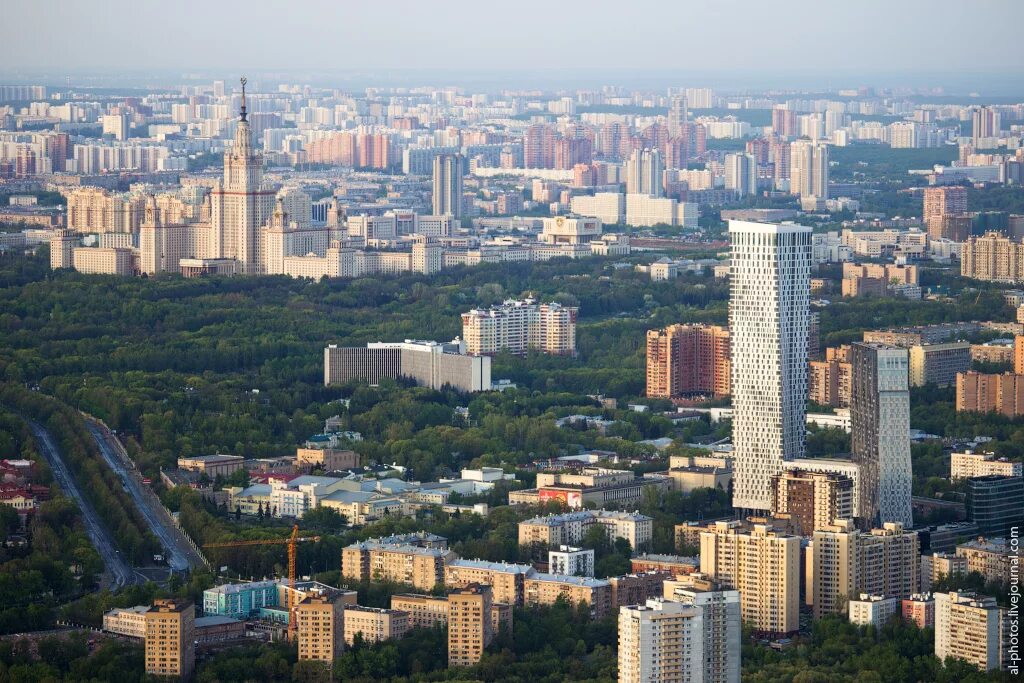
x: 967, y: 85
x: 725, y: 44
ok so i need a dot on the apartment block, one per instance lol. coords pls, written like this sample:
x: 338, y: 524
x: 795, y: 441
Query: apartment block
x: 570, y: 528
x: 520, y: 326
x: 812, y: 500
x: 938, y: 363
x: 872, y: 610
x: 319, y: 627
x: 938, y: 566
x: 828, y: 381
x: 763, y: 565
x: 845, y: 562
x: 374, y: 625
x: 170, y: 638
x: 546, y: 589
x: 425, y: 611
x: 979, y: 392
x: 660, y: 641
x: 126, y: 621
x: 919, y: 608
x: 570, y: 561
x: 507, y: 581
x: 970, y: 464
x: 969, y: 627
x: 633, y: 589
x: 993, y: 558
x: 421, y: 568
x: 470, y: 628
x: 992, y: 257
x: 722, y: 624
x: 673, y: 565
x: 688, y: 359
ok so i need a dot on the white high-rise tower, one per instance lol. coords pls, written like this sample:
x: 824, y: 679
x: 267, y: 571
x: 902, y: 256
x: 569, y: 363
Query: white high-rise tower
x: 769, y: 315
x: 241, y: 204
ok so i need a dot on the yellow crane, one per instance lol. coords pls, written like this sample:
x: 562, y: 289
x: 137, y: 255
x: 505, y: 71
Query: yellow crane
x: 292, y: 542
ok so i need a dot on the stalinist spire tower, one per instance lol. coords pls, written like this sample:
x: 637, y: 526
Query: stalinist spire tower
x: 241, y: 204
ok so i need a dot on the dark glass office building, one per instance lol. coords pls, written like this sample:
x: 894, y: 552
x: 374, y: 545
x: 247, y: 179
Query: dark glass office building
x: 995, y: 504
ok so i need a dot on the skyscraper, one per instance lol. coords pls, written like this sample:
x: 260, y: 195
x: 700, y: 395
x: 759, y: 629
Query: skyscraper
x: 880, y: 437
x: 241, y: 203
x: 741, y: 174
x: 769, y: 313
x: 677, y: 115
x: 985, y: 125
x: 643, y: 173
x: 448, y: 172
x: 808, y: 175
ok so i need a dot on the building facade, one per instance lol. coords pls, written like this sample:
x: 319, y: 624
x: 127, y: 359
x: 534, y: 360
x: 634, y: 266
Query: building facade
x: 769, y: 315
x: 688, y: 359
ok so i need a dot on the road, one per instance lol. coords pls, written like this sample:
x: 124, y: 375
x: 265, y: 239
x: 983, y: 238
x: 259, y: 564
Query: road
x: 117, y: 568
x: 181, y: 556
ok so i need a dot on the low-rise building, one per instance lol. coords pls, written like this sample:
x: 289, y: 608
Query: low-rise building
x: 546, y: 589
x: 373, y: 624
x: 993, y: 558
x: 212, y: 465
x: 674, y: 565
x: 872, y: 610
x: 970, y: 464
x: 127, y: 621
x: 919, y: 608
x: 571, y: 561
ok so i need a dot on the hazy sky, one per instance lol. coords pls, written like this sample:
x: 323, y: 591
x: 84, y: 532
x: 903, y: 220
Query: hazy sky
x: 961, y: 39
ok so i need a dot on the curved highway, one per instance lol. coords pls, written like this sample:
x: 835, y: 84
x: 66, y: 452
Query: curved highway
x: 181, y: 556
x: 120, y: 573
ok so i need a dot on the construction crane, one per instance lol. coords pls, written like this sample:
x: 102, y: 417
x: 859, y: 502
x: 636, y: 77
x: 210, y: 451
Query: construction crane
x: 293, y: 551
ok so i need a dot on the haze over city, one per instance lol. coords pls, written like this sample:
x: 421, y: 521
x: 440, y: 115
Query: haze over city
x: 580, y: 342
x: 730, y: 43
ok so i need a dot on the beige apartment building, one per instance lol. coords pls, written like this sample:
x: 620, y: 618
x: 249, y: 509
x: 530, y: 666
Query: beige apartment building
x: 520, y: 326
x: 170, y: 638
x: 374, y: 624
x: 992, y: 558
x: 427, y: 611
x: 319, y: 623
x: 938, y: 566
x: 992, y: 257
x: 970, y: 464
x: 845, y: 562
x: 660, y: 641
x: 327, y: 459
x: 969, y: 627
x: 103, y: 260
x: 127, y: 621
x: 547, y: 589
x: 763, y: 565
x: 507, y: 581
x: 570, y: 528
x: 470, y: 628
x: 421, y: 568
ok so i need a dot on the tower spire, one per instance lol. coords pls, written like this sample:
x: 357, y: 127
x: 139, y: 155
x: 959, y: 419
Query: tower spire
x: 242, y: 113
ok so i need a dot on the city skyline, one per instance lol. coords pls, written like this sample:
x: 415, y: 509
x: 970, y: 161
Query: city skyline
x: 831, y: 49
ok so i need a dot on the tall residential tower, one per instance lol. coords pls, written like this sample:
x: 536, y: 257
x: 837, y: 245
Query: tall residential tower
x: 769, y: 314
